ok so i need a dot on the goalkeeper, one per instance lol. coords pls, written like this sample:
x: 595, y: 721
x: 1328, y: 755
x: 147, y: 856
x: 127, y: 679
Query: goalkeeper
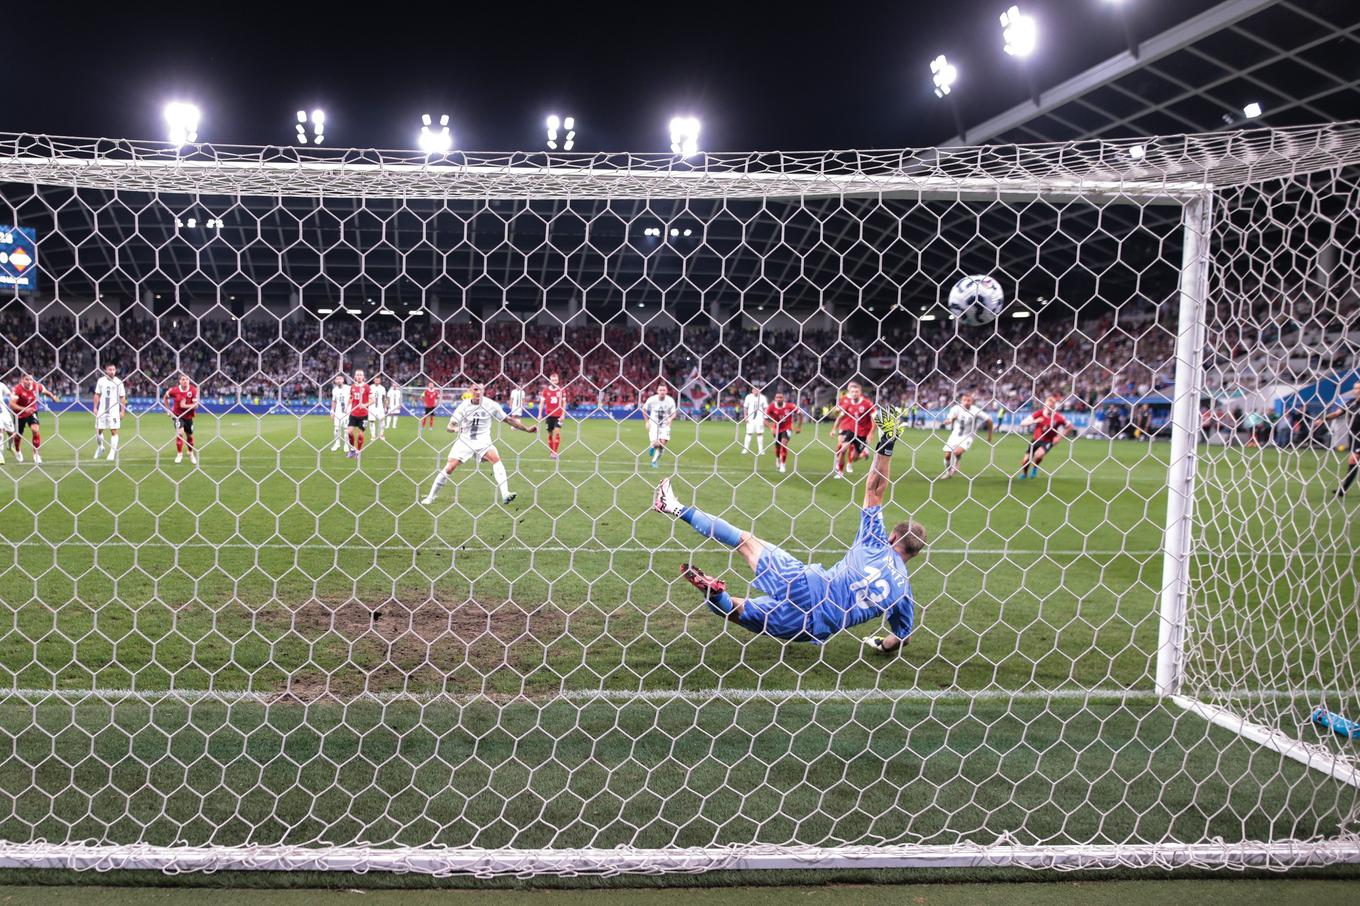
x: 805, y: 603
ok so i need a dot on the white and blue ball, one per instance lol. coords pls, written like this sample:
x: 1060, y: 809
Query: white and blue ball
x: 976, y: 300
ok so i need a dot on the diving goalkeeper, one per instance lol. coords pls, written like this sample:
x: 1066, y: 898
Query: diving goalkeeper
x: 803, y: 603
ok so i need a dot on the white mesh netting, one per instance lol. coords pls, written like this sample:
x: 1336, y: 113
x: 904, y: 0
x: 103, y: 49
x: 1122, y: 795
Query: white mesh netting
x: 278, y: 657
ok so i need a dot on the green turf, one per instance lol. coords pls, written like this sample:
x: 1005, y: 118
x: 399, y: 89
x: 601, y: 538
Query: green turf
x: 286, y: 571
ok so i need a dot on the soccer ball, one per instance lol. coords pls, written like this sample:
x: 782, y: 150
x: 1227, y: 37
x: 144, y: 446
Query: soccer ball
x: 976, y: 300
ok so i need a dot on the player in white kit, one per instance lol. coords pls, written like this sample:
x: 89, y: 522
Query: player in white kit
x: 6, y: 421
x: 659, y: 411
x: 963, y: 419
x: 517, y: 403
x: 340, y: 412
x: 472, y: 421
x: 753, y: 407
x: 377, y: 410
x: 110, y: 405
x: 393, y: 404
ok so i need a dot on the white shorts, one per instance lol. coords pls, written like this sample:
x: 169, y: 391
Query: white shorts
x: 341, y: 421
x: 464, y: 450
x: 376, y: 415
x: 958, y: 443
x: 6, y: 420
x: 657, y: 433
x: 110, y: 422
x: 755, y: 428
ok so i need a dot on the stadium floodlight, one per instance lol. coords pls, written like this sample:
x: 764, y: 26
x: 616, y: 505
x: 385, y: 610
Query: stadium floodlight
x: 563, y: 128
x: 1252, y: 110
x: 318, y: 123
x: 944, y: 74
x: 1019, y: 32
x: 182, y: 121
x: 685, y: 135
x: 435, y: 139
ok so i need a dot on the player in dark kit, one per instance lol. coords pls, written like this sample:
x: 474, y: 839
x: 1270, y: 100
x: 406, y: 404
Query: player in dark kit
x: 360, y: 398
x: 853, y: 427
x: 552, y: 408
x: 782, y: 416
x: 430, y: 399
x: 182, y: 402
x: 23, y: 403
x: 1350, y: 407
x: 1049, y: 428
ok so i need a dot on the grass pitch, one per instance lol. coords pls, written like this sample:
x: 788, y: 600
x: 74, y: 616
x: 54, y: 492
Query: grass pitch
x: 533, y: 675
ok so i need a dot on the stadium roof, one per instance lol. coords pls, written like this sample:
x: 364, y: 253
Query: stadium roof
x: 1298, y: 59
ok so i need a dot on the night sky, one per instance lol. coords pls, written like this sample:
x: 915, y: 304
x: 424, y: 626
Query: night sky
x: 760, y: 76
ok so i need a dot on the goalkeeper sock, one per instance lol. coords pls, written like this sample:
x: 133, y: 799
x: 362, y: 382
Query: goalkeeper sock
x: 711, y: 526
x: 502, y: 482
x: 1350, y: 477
x: 720, y: 603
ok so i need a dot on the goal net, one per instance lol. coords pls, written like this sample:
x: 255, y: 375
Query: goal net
x: 242, y: 640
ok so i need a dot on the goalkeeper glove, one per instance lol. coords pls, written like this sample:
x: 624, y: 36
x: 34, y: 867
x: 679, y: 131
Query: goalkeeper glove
x: 891, y: 423
x: 876, y: 643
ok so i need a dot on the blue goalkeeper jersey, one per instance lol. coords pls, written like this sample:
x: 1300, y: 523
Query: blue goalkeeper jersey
x: 810, y: 603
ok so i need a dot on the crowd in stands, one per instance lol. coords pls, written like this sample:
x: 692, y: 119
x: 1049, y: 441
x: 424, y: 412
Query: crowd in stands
x: 1008, y: 364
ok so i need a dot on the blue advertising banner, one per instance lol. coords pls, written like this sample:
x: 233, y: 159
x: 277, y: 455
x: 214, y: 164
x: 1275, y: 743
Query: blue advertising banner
x: 18, y: 258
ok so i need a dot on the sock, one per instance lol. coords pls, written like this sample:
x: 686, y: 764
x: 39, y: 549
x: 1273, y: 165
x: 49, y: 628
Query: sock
x: 189, y: 441
x: 1350, y: 477
x: 721, y: 604
x: 113, y: 443
x: 651, y: 450
x: 99, y: 445
x: 502, y: 482
x: 760, y: 444
x: 440, y: 479
x: 746, y: 444
x: 179, y: 445
x: 711, y: 526
x: 359, y: 441
x: 656, y: 453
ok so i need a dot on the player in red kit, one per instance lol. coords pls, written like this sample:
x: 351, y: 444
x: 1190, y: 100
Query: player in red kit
x: 853, y: 427
x: 1049, y: 428
x: 23, y: 403
x: 552, y: 408
x: 782, y: 415
x: 182, y: 403
x: 360, y: 396
x: 430, y: 399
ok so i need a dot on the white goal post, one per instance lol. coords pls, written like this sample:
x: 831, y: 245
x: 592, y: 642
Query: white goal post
x: 283, y: 660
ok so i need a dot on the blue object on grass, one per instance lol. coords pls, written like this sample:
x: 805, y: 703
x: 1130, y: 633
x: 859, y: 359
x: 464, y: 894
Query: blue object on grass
x: 1339, y: 725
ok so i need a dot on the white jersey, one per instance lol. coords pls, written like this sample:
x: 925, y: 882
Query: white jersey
x: 108, y: 396
x: 517, y: 401
x: 965, y: 422
x: 474, y: 420
x: 659, y: 410
x: 378, y: 398
x: 6, y: 414
x: 394, y: 398
x: 340, y: 400
x: 753, y: 408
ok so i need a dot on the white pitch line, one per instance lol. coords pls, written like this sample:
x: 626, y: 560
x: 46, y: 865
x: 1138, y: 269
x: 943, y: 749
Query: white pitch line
x: 625, y: 696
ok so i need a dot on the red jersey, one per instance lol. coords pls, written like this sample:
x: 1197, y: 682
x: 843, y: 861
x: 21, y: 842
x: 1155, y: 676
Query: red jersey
x: 25, y: 399
x: 1046, y: 426
x: 857, y: 416
x: 431, y: 397
x: 554, y: 402
x: 182, y: 401
x: 359, y: 396
x: 782, y: 416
